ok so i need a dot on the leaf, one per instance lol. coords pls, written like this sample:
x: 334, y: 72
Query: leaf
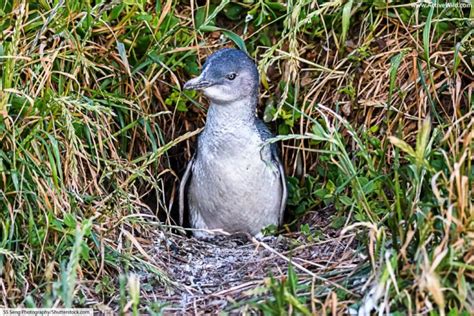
x: 69, y: 220
x: 236, y: 39
x: 346, y: 19
x: 233, y: 11
x: 200, y: 17
x: 338, y: 222
x: 427, y: 90
x: 209, y: 28
x: 426, y: 34
x: 56, y: 156
x: 394, y: 65
x: 85, y: 251
x: 292, y: 279
x: 265, y: 40
x: 457, y: 60
x: 433, y: 285
x: 318, y: 132
x: 276, y: 6
x: 344, y: 199
x: 123, y: 56
x: 330, y: 186
x: 115, y: 12
x: 422, y: 140
x: 402, y: 145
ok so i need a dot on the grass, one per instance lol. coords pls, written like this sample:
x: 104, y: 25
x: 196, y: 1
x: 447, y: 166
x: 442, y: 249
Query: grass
x: 372, y: 102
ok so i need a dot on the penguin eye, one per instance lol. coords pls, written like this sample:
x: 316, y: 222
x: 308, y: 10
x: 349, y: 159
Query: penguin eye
x: 231, y: 76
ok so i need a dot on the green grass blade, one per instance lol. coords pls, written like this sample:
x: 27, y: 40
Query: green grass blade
x: 346, y: 19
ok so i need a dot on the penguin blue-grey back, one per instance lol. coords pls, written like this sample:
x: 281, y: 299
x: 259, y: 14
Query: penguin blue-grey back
x: 235, y: 182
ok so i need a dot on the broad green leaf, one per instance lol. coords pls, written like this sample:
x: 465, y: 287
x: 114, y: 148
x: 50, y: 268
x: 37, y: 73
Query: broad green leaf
x: 344, y: 199
x: 70, y: 220
x: 236, y: 39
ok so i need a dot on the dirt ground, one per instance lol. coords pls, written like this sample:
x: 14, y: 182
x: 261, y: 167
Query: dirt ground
x: 230, y: 273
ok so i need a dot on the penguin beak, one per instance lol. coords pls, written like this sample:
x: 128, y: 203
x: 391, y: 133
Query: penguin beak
x: 198, y: 83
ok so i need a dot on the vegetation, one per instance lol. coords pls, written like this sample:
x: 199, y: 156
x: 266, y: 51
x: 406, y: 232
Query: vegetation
x: 372, y: 102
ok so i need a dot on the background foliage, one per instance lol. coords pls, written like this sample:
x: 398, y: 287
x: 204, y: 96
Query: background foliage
x: 372, y: 102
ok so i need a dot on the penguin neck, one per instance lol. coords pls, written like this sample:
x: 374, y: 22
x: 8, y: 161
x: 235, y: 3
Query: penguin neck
x: 232, y: 115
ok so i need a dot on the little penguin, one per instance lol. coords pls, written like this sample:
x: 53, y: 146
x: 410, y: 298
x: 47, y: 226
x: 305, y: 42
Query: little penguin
x: 235, y: 181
